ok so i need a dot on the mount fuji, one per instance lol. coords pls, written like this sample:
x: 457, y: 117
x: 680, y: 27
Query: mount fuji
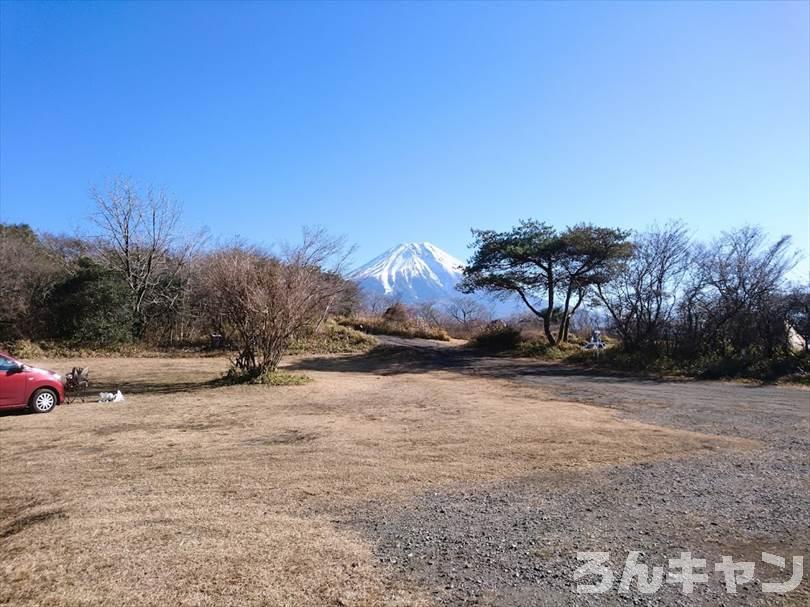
x: 415, y: 272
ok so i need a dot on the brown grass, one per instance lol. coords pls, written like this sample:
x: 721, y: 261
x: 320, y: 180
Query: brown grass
x: 332, y: 338
x: 407, y: 328
x: 188, y: 494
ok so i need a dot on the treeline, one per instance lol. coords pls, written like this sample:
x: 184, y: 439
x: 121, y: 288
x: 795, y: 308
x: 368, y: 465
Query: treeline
x: 725, y: 306
x: 129, y: 280
x: 140, y: 278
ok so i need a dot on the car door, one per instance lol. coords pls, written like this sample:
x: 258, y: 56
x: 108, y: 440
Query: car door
x: 12, y: 383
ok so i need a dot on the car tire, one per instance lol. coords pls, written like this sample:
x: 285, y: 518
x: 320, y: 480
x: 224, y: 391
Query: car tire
x: 43, y: 401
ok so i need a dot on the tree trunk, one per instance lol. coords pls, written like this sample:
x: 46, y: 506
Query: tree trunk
x: 549, y: 310
x: 562, y: 332
x: 566, y: 327
x: 580, y: 297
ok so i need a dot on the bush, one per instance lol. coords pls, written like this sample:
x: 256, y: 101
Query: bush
x: 397, y: 313
x: 498, y: 337
x: 760, y: 367
x: 262, y: 302
x: 24, y: 349
x: 620, y: 359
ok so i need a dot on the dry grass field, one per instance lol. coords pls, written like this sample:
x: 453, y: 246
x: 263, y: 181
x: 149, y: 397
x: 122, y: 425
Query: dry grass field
x: 193, y: 493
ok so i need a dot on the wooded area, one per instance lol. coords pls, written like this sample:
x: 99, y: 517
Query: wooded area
x: 725, y: 305
x: 138, y: 277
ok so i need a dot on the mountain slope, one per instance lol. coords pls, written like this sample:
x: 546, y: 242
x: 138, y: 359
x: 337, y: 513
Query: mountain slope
x: 413, y: 273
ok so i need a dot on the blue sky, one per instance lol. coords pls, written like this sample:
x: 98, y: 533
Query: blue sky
x: 391, y: 122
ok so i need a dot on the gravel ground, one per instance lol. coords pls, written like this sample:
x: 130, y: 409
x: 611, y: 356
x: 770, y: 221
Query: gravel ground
x: 515, y: 543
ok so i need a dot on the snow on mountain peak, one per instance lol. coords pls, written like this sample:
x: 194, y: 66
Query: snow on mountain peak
x: 412, y: 272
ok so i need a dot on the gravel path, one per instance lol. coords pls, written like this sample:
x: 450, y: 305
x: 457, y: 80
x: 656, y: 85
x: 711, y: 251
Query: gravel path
x: 515, y: 543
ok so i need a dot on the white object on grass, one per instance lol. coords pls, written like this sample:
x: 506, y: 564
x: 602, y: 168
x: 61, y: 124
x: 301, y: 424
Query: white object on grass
x: 110, y: 397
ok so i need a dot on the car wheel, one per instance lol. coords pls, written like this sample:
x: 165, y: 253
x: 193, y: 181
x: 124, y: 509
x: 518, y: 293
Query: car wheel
x: 43, y: 401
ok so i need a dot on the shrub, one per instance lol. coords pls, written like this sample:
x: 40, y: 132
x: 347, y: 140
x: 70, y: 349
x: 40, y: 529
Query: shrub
x: 262, y: 302
x: 498, y: 337
x: 24, y: 349
x: 397, y: 313
x: 760, y: 368
x: 618, y: 358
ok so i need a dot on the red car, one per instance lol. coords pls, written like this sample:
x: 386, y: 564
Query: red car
x: 23, y: 386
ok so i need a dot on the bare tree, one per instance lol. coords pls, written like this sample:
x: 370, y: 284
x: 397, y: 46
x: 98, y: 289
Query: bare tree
x: 349, y: 302
x: 376, y: 303
x: 429, y: 313
x: 264, y: 302
x: 468, y: 313
x: 642, y: 296
x: 65, y: 251
x: 140, y: 239
x: 736, y: 283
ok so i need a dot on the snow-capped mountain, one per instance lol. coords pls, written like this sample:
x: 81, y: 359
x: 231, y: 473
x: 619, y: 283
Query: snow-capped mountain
x: 414, y: 272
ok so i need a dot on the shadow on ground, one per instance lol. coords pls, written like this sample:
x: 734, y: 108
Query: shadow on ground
x: 153, y: 387
x: 398, y: 358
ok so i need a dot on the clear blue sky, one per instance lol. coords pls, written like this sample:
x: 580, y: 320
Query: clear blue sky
x: 394, y: 122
